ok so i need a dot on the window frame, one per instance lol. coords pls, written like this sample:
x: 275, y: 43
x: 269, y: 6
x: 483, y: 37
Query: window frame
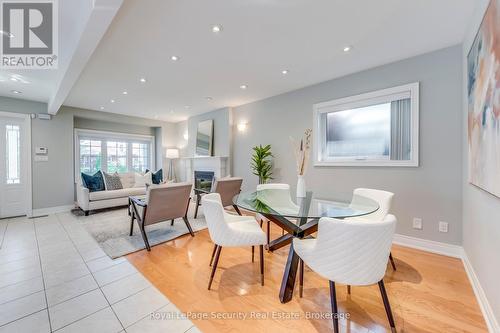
x: 104, y: 137
x: 363, y: 100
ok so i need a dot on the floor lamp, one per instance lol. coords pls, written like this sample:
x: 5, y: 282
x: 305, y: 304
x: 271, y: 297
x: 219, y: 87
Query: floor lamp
x: 172, y: 153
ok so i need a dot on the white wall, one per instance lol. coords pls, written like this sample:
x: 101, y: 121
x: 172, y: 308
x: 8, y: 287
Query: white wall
x: 481, y: 210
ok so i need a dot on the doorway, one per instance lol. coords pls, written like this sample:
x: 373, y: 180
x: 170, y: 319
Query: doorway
x: 15, y: 165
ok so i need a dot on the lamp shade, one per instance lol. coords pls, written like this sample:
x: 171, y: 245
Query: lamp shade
x: 172, y: 153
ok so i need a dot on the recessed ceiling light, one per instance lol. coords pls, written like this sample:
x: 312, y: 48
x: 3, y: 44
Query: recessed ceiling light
x: 174, y: 58
x: 208, y: 98
x: 102, y: 108
x: 143, y: 80
x: 347, y: 48
x: 125, y: 92
x: 16, y: 92
x: 284, y: 72
x: 243, y: 86
x: 13, y: 79
x: 217, y: 28
x: 112, y: 101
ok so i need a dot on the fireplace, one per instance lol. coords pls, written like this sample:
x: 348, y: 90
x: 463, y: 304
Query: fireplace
x: 203, y: 180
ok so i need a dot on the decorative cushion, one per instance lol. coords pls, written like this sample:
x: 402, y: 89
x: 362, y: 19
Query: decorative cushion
x: 157, y: 177
x: 142, y: 180
x: 93, y: 182
x: 127, y: 179
x: 112, y: 181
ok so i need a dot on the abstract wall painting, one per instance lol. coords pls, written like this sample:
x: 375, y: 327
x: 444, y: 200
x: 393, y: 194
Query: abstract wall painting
x: 483, y: 71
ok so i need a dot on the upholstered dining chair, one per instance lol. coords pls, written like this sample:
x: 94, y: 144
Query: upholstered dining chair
x: 228, y: 230
x: 352, y: 253
x: 384, y: 200
x: 162, y: 203
x: 227, y: 188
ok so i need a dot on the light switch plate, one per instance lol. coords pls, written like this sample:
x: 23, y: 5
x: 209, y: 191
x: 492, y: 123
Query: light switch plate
x: 417, y: 223
x: 443, y: 226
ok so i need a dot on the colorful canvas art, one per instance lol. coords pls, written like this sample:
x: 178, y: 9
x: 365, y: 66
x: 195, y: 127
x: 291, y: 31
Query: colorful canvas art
x: 483, y: 68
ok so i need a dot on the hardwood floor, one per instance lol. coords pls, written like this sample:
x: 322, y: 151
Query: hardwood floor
x: 428, y: 292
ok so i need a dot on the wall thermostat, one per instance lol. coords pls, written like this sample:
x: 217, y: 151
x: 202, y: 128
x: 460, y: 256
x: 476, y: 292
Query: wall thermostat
x: 41, y: 151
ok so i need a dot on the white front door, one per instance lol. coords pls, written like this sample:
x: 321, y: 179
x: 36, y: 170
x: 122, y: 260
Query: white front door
x: 13, y: 167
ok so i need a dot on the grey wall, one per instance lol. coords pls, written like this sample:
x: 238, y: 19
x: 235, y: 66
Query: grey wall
x: 431, y: 191
x: 222, y: 131
x: 481, y: 210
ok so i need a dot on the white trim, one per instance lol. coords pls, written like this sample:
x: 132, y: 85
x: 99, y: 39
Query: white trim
x: 484, y: 305
x: 380, y: 96
x: 27, y: 150
x: 52, y: 210
x: 455, y: 251
x: 445, y: 249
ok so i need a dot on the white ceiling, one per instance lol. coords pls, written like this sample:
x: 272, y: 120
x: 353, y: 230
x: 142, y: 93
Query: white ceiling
x: 82, y: 24
x: 260, y: 38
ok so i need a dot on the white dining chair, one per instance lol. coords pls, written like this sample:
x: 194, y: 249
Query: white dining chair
x: 384, y: 200
x: 352, y: 253
x: 281, y: 198
x: 228, y: 230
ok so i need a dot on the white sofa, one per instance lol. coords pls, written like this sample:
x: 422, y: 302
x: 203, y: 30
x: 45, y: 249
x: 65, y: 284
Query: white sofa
x: 88, y: 201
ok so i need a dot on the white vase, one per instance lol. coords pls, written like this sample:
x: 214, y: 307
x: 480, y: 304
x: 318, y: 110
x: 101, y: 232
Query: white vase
x: 301, y: 187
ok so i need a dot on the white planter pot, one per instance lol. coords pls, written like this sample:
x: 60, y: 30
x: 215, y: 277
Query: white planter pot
x: 301, y: 187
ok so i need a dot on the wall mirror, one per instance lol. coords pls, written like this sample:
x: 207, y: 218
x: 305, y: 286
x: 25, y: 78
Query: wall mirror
x: 204, y: 138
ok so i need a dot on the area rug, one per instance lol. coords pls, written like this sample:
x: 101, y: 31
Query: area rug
x: 110, y: 228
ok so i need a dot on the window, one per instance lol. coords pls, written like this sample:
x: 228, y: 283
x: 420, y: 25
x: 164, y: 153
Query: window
x: 112, y: 152
x: 374, y: 129
x: 13, y: 152
x: 117, y: 156
x: 140, y: 152
x: 90, y: 156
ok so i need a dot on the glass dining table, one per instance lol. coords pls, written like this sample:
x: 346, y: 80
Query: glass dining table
x: 299, y: 218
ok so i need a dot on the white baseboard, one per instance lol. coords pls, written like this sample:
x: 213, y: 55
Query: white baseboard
x: 52, y: 210
x: 449, y: 250
x: 455, y: 251
x: 486, y: 309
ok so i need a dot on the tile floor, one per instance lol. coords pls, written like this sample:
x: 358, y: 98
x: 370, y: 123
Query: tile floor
x: 55, y: 278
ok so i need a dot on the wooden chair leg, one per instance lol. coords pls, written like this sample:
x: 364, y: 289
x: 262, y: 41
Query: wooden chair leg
x: 261, y: 252
x: 253, y: 253
x: 301, y: 277
x: 144, y: 237
x: 188, y: 225
x: 213, y: 254
x: 333, y: 300
x: 171, y: 222
x: 268, y: 233
x: 198, y: 197
x: 214, y: 267
x: 392, y: 261
x: 387, y: 305
x: 131, y: 224
x: 237, y: 210
x: 348, y: 289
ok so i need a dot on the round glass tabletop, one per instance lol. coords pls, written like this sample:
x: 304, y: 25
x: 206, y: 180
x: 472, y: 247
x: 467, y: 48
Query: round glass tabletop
x: 279, y: 203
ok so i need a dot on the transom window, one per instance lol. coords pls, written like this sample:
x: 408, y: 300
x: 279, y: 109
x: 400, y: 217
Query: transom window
x: 374, y: 129
x: 112, y: 152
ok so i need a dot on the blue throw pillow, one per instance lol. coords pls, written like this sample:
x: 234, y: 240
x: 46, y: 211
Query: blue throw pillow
x: 93, y: 182
x: 156, y: 177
